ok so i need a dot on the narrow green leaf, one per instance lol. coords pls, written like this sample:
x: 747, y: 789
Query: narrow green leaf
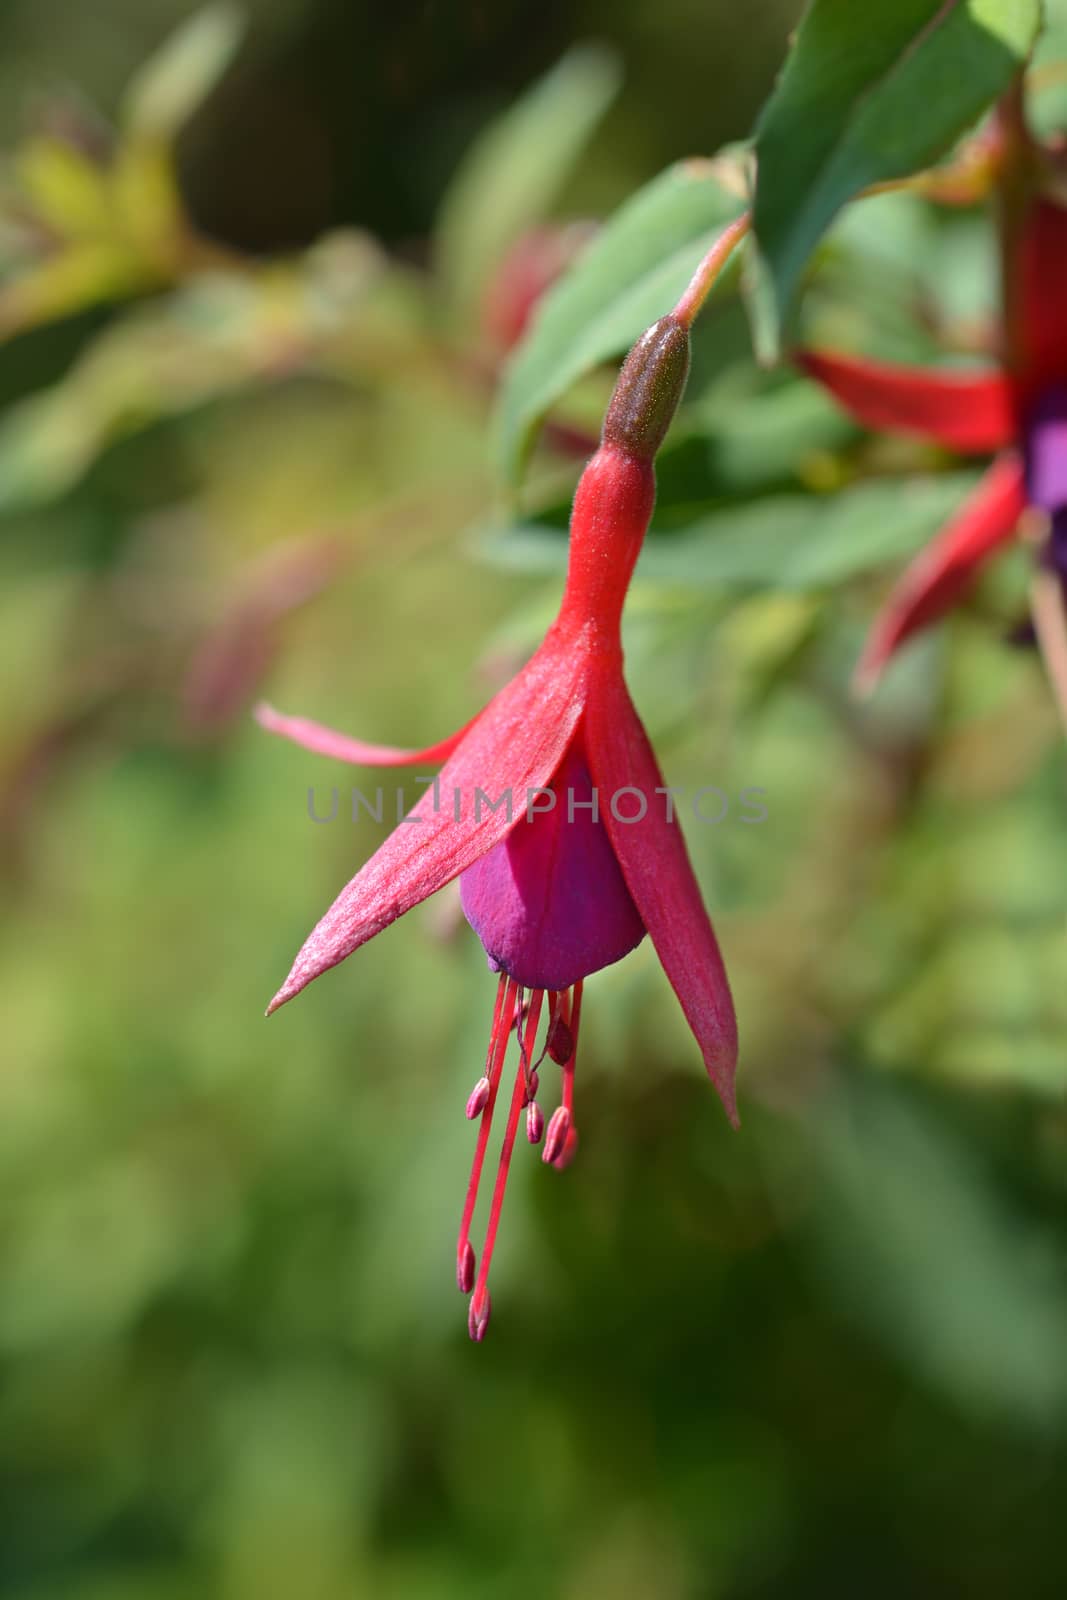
x: 808, y: 541
x: 174, y: 81
x: 872, y: 92
x: 631, y: 274
x: 515, y: 169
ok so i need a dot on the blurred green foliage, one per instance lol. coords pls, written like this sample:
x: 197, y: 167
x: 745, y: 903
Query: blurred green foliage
x: 824, y: 1356
x: 869, y: 94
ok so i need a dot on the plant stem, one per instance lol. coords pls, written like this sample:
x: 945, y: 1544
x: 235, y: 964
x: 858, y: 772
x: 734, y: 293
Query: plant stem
x: 703, y: 279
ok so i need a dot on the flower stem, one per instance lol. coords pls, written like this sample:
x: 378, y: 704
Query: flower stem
x: 962, y: 182
x: 703, y: 279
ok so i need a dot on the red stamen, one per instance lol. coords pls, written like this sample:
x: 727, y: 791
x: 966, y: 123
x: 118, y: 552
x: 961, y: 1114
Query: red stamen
x: 479, y: 1311
x: 568, y: 1065
x: 556, y: 999
x: 566, y: 1143
x: 535, y: 1122
x: 503, y: 1016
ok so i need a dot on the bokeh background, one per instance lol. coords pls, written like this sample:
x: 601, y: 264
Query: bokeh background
x: 246, y: 377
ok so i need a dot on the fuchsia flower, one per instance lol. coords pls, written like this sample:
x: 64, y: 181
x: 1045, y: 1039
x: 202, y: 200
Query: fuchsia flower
x: 585, y: 857
x: 1019, y: 411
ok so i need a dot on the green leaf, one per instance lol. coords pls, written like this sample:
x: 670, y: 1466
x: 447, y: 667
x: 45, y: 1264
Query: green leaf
x: 872, y: 92
x: 60, y: 285
x: 810, y: 541
x: 631, y: 274
x: 756, y: 437
x: 783, y: 541
x: 210, y: 338
x: 168, y: 88
x: 514, y: 170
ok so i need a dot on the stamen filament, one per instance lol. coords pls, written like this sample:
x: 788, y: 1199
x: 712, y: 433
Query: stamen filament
x: 503, y: 1017
x: 568, y: 1069
x: 479, y: 1309
x: 556, y: 1001
x: 563, y: 1157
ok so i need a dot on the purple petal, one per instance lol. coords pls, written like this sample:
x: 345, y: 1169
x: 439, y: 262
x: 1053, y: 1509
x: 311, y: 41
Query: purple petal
x: 550, y: 903
x: 1046, y: 450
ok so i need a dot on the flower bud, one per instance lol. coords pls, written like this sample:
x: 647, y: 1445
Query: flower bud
x: 648, y: 390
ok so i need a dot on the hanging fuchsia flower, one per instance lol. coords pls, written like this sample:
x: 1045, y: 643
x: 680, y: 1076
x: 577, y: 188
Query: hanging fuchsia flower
x: 1018, y: 410
x: 553, y: 814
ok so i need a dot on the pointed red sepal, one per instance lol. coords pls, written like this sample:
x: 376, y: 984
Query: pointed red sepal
x: 655, y: 864
x: 323, y: 741
x: 968, y: 412
x: 940, y: 574
x: 517, y: 743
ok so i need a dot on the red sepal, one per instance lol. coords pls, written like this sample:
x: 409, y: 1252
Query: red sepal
x: 324, y: 741
x: 941, y: 572
x: 655, y: 864
x: 968, y: 412
x: 518, y: 742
